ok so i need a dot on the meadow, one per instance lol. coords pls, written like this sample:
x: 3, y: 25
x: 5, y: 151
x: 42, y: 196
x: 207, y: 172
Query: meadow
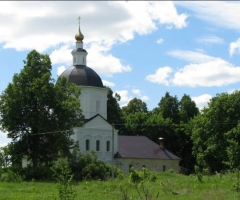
x: 168, y: 185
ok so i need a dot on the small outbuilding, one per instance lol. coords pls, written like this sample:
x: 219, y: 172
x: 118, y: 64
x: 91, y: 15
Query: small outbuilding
x: 140, y: 151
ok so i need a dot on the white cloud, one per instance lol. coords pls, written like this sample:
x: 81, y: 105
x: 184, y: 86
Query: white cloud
x: 136, y: 91
x: 62, y: 55
x: 140, y: 94
x: 161, y: 75
x: 202, y: 100
x: 108, y: 83
x: 144, y: 98
x: 204, y: 70
x: 41, y: 25
x: 99, y: 59
x: 160, y: 41
x: 234, y: 47
x: 103, y: 62
x: 220, y: 13
x: 210, y: 39
x: 60, y: 70
x: 125, y: 97
x: 166, y: 13
x: 191, y: 56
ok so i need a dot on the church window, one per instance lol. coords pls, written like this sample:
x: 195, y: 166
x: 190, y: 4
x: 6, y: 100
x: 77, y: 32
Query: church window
x: 98, y: 145
x: 97, y: 105
x: 74, y: 59
x: 108, y: 145
x: 87, y: 145
x: 83, y: 60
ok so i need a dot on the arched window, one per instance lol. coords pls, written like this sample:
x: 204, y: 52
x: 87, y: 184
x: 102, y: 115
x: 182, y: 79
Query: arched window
x: 83, y: 60
x: 75, y: 60
x: 108, y: 146
x: 98, y: 145
x: 87, y: 145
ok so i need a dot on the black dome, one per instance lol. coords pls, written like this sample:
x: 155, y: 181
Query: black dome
x: 82, y: 75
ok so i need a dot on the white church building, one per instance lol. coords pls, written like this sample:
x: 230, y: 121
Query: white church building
x: 98, y: 135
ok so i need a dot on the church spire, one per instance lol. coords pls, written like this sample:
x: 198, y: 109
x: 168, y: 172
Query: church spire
x: 79, y: 36
x: 80, y: 54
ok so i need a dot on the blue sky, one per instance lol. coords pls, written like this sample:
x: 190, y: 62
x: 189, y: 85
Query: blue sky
x: 139, y: 49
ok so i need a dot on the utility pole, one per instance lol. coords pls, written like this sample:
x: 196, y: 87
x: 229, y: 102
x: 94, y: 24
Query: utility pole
x: 112, y: 151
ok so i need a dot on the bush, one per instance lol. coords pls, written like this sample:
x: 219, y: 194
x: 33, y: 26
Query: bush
x: 63, y: 176
x: 10, y: 176
x: 41, y: 173
x: 88, y: 167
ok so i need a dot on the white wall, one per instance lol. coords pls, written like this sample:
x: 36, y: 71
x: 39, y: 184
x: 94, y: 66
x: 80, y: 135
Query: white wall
x: 150, y: 164
x: 89, y: 96
x: 97, y: 129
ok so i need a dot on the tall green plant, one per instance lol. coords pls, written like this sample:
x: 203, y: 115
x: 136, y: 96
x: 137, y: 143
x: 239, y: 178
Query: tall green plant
x: 63, y: 176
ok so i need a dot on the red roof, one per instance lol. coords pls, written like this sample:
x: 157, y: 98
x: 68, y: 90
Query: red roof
x: 141, y: 147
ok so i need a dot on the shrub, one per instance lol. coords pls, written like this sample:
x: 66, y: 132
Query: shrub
x: 10, y: 176
x: 63, y: 176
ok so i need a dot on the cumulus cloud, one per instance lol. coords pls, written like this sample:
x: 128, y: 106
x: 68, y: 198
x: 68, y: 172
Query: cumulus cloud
x: 161, y: 75
x: 60, y: 70
x: 62, y: 55
x: 140, y: 94
x: 202, y: 70
x: 220, y: 13
x: 191, y: 56
x: 234, y: 47
x: 108, y: 83
x: 202, y: 100
x: 160, y: 41
x: 125, y: 97
x: 103, y: 62
x: 210, y: 39
x: 166, y: 13
x: 136, y: 91
x: 44, y: 25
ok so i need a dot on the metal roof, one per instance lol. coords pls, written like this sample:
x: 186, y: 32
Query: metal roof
x: 82, y: 75
x: 141, y: 147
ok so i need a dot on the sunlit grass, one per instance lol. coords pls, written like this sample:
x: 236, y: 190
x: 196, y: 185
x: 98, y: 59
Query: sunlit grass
x: 167, y: 186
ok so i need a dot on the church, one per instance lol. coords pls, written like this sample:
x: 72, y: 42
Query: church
x: 98, y: 135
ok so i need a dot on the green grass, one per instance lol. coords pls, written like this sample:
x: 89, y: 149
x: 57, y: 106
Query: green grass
x: 212, y: 188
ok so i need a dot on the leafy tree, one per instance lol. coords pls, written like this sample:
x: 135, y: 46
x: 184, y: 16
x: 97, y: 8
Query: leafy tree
x: 134, y: 116
x: 134, y: 123
x: 114, y: 112
x: 212, y: 130
x: 5, y: 157
x: 168, y: 107
x: 135, y: 105
x: 187, y: 108
x: 37, y: 113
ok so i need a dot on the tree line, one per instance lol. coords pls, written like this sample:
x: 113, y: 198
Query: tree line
x: 39, y: 114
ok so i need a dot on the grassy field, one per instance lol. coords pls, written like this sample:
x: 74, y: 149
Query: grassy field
x: 217, y: 187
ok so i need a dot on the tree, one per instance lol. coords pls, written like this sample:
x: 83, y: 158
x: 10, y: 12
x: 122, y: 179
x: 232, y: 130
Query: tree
x: 133, y: 106
x: 187, y: 108
x: 214, y: 131
x: 5, y: 157
x: 134, y: 116
x: 114, y: 112
x: 37, y: 113
x: 168, y: 107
